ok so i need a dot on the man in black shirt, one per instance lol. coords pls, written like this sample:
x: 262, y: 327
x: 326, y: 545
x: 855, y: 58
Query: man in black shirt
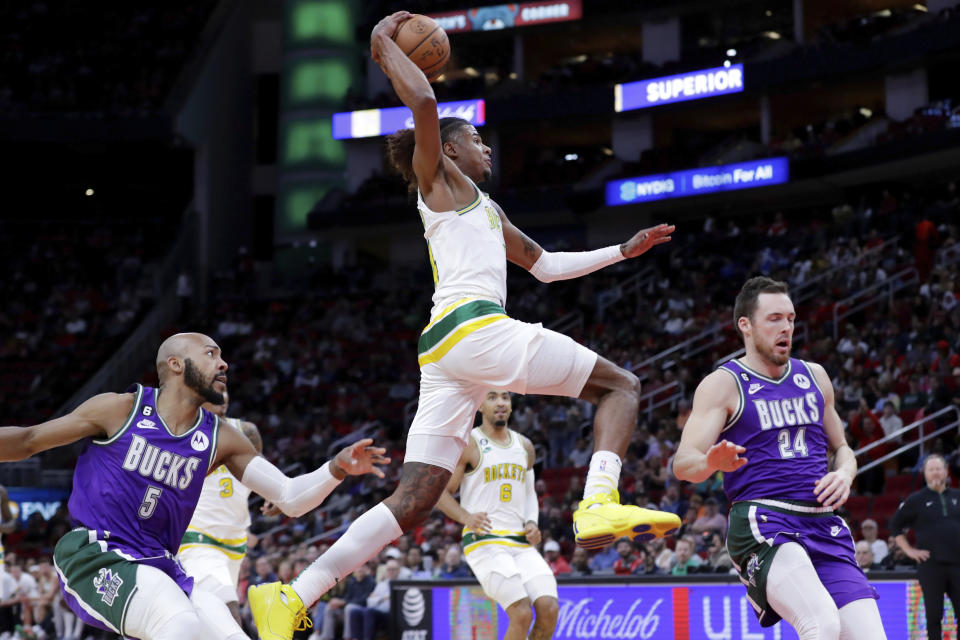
x: 934, y: 515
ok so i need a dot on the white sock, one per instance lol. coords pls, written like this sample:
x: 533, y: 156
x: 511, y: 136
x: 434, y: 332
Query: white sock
x: 364, y: 539
x: 604, y: 473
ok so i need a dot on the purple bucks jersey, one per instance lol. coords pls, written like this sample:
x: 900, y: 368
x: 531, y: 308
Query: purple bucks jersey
x: 780, y: 423
x: 139, y: 488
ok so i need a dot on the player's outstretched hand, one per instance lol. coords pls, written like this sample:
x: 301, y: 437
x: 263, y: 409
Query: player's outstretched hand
x: 360, y: 458
x: 646, y: 239
x: 833, y: 489
x: 389, y: 27
x: 532, y: 532
x: 478, y: 522
x: 725, y: 456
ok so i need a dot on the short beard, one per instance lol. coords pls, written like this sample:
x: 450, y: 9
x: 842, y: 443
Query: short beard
x: 499, y: 423
x: 193, y: 379
x: 771, y: 357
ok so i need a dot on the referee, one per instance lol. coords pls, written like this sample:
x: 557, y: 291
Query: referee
x: 934, y: 515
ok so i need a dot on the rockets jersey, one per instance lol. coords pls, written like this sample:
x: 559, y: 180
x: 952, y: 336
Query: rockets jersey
x: 780, y: 423
x: 138, y: 489
x: 223, y: 512
x: 496, y: 485
x: 468, y: 255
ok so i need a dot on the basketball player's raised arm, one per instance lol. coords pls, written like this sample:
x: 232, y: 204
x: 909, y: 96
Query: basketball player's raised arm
x: 548, y: 266
x: 415, y: 92
x: 833, y: 489
x: 295, y: 496
x: 478, y: 522
x: 99, y: 417
x: 699, y: 454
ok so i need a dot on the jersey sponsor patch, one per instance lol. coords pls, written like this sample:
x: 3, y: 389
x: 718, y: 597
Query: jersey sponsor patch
x: 107, y: 585
x: 199, y: 441
x: 801, y: 381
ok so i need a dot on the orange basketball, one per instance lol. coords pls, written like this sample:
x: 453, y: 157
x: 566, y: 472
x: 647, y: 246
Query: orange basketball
x: 425, y: 42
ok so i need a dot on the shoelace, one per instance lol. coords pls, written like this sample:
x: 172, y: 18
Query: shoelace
x: 302, y: 621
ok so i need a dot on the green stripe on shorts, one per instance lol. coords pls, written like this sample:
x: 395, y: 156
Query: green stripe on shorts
x: 430, y: 338
x: 101, y: 580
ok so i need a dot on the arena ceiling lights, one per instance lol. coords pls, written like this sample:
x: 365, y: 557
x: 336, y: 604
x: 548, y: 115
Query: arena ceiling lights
x: 678, y: 88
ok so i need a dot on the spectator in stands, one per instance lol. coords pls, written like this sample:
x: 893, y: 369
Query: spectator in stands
x: 263, y: 572
x: 868, y: 529
x: 890, y: 421
x: 718, y: 557
x: 687, y: 560
x: 629, y: 561
x: 580, y: 565
x: 672, y: 500
x: 712, y: 521
x: 364, y: 622
x: 359, y: 586
x: 602, y: 561
x: 865, y: 557
x: 551, y: 553
x: 897, y: 559
x: 851, y: 341
x: 580, y: 456
x: 453, y: 566
x: 414, y: 562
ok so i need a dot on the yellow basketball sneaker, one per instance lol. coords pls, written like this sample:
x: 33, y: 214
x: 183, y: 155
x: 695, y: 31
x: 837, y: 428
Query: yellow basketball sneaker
x: 277, y: 611
x: 595, y: 527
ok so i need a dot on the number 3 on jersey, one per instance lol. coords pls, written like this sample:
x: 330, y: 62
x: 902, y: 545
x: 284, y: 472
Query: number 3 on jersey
x: 799, y: 443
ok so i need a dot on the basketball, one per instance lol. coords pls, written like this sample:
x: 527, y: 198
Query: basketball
x: 425, y: 42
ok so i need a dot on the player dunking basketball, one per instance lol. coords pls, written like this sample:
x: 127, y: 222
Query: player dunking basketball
x: 471, y: 345
x: 794, y: 555
x: 136, y: 485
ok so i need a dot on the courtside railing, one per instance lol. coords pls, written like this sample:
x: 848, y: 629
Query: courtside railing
x: 951, y: 414
x: 871, y: 295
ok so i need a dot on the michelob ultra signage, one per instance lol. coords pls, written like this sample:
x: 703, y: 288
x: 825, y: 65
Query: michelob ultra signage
x: 729, y: 177
x: 380, y: 122
x: 678, y: 88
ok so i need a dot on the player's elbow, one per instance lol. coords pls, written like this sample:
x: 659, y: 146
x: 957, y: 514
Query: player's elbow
x: 423, y: 102
x: 18, y: 443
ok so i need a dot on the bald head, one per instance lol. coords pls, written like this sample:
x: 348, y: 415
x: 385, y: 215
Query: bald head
x: 193, y: 360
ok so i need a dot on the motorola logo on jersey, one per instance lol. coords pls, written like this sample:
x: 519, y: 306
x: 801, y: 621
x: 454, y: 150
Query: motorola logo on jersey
x: 801, y: 381
x: 199, y: 441
x: 161, y: 465
x: 787, y: 411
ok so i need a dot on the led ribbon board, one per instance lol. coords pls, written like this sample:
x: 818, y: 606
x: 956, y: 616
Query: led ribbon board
x: 679, y: 88
x: 380, y: 122
x: 507, y: 16
x: 679, y: 184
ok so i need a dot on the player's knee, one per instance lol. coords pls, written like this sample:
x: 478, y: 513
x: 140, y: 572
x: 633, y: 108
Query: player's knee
x: 185, y: 625
x: 823, y: 626
x: 521, y: 613
x: 547, y: 611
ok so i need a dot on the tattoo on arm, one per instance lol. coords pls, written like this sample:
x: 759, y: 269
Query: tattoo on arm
x: 417, y: 493
x: 529, y: 246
